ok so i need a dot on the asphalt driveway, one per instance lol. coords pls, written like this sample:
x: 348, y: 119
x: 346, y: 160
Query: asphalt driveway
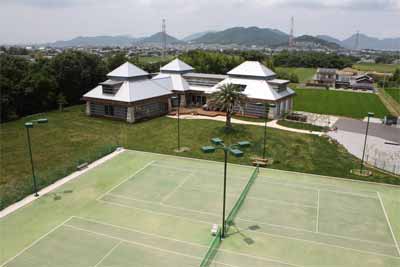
x: 378, y: 130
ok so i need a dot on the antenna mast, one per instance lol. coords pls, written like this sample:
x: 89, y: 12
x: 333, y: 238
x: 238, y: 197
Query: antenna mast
x: 164, y: 38
x: 357, y: 44
x: 291, y: 38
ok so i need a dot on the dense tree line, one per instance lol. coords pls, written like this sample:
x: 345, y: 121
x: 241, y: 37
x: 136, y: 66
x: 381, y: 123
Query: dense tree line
x: 391, y: 82
x: 313, y: 60
x: 31, y: 87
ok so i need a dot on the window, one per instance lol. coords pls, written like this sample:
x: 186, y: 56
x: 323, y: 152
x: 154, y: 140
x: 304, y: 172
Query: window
x: 107, y: 89
x: 108, y: 110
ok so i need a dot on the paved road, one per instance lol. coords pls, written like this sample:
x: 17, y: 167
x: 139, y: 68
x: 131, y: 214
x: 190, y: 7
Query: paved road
x: 378, y: 130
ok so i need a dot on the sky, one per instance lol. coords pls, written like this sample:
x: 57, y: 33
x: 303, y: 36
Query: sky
x: 39, y: 21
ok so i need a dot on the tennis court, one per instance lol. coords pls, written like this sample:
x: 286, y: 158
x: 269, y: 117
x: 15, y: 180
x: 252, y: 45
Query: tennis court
x: 160, y: 213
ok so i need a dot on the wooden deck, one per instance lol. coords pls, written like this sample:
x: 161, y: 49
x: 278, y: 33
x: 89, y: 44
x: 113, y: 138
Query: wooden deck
x: 197, y: 111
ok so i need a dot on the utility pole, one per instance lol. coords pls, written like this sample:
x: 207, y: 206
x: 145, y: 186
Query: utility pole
x: 164, y: 38
x: 291, y: 36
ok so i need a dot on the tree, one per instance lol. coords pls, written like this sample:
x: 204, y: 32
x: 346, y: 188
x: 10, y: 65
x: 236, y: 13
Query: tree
x: 116, y: 60
x: 228, y: 96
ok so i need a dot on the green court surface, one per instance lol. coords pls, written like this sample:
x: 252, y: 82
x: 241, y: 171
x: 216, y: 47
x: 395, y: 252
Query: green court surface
x: 144, y: 209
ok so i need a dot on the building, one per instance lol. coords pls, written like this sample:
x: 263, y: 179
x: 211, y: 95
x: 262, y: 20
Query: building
x: 325, y: 77
x: 130, y: 93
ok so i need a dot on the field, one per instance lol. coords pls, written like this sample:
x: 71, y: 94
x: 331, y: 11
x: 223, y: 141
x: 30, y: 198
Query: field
x: 376, y: 67
x: 395, y: 93
x: 348, y: 104
x: 155, y: 59
x: 143, y: 209
x: 71, y: 137
x: 304, y: 74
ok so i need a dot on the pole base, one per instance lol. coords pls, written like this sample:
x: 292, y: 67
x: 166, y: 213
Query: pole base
x: 36, y: 195
x: 182, y: 149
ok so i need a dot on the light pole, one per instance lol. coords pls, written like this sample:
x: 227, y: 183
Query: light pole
x: 370, y: 114
x: 177, y: 98
x: 267, y: 106
x: 29, y: 125
x: 233, y: 149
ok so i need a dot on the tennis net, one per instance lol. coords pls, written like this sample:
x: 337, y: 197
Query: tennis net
x: 232, y: 214
x: 212, y: 250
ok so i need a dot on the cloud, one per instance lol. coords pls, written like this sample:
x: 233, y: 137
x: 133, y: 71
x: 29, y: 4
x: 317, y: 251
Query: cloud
x: 348, y: 5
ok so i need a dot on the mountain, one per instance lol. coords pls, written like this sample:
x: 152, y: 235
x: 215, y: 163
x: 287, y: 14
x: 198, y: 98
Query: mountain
x: 315, y: 41
x: 244, y: 36
x: 367, y: 42
x: 120, y: 40
x: 329, y: 39
x: 158, y: 37
x: 193, y: 36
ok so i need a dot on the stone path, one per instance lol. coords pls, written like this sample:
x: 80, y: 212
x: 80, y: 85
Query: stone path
x: 271, y: 124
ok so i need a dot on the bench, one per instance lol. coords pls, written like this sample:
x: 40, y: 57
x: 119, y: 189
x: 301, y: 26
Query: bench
x: 82, y: 166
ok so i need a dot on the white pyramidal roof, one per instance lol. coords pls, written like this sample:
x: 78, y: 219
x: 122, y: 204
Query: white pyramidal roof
x: 127, y: 70
x: 177, y: 65
x: 178, y: 82
x: 254, y: 88
x: 252, y: 68
x: 137, y: 90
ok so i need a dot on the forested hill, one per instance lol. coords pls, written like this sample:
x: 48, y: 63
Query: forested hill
x: 245, y: 36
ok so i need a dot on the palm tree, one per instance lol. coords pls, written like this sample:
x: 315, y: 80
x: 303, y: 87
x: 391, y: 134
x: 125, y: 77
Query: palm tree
x: 228, y: 96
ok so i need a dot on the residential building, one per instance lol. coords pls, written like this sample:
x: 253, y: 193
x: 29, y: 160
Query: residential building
x: 325, y: 77
x: 131, y: 94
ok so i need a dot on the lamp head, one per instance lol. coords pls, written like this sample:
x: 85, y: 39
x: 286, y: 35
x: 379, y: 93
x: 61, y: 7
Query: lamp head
x: 42, y: 120
x: 371, y: 114
x: 28, y: 125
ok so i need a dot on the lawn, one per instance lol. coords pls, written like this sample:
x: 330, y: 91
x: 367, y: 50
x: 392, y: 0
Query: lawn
x: 348, y: 104
x: 72, y: 137
x: 154, y: 59
x: 304, y: 74
x: 301, y: 125
x: 394, y: 93
x: 376, y: 67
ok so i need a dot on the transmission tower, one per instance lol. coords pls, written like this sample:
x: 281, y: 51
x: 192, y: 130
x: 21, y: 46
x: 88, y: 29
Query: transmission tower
x: 291, y: 38
x: 357, y: 43
x: 164, y: 38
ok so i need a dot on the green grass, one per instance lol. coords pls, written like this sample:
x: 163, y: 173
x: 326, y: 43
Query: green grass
x: 304, y: 74
x: 301, y: 126
x: 348, y: 104
x: 376, y: 67
x: 395, y: 93
x: 72, y: 137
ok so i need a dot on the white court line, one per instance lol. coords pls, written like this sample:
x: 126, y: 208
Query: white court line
x: 253, y: 221
x: 131, y: 242
x: 201, y: 171
x: 198, y: 188
x: 317, y: 225
x: 321, y: 189
x: 155, y: 212
x: 137, y: 231
x: 108, y: 253
x: 314, y: 184
x: 126, y: 179
x: 176, y: 188
x: 349, y: 180
x: 388, y: 222
x: 265, y: 233
x: 321, y: 243
x: 176, y: 240
x: 35, y: 242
